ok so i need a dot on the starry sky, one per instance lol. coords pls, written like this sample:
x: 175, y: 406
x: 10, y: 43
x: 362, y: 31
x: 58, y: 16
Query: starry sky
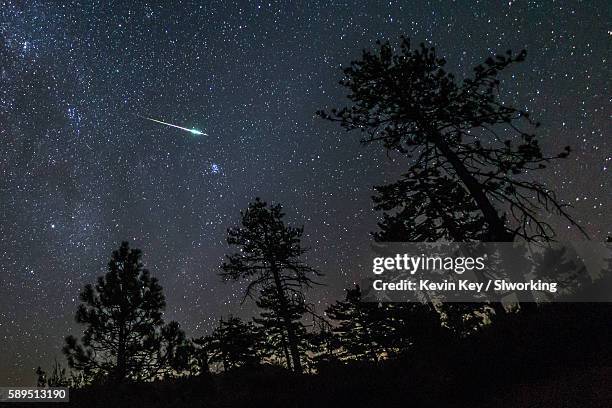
x: 80, y: 170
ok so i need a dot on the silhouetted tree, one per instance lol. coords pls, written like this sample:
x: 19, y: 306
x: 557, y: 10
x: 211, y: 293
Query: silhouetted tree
x: 464, y: 319
x: 234, y: 344
x: 269, y: 257
x: 360, y: 326
x: 412, y: 324
x: 427, y: 208
x: 273, y: 324
x: 324, y: 345
x: 199, y: 360
x: 370, y: 330
x: 58, y: 377
x: 469, y: 153
x: 562, y: 265
x: 125, y: 336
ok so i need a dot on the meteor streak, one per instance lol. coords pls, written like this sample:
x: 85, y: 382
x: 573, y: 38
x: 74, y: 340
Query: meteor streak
x: 192, y: 131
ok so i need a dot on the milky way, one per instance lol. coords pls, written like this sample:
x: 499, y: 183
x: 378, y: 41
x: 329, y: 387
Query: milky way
x: 79, y: 172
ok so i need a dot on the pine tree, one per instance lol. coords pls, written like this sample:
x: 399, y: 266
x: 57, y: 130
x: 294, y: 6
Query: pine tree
x: 367, y: 330
x: 360, y: 326
x: 269, y: 256
x: 199, y: 360
x: 425, y: 206
x: 58, y: 377
x: 470, y: 153
x: 234, y: 344
x: 324, y: 345
x: 125, y: 336
x: 273, y: 327
x: 411, y: 325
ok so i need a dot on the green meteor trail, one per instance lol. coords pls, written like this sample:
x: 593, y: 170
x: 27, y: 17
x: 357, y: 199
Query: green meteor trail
x: 192, y: 131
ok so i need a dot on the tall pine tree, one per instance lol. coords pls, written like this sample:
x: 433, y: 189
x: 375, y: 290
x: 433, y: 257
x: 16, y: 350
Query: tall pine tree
x: 272, y: 323
x: 470, y: 153
x: 269, y: 256
x: 125, y: 337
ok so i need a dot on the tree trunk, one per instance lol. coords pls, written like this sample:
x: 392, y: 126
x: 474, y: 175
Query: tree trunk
x: 368, y: 339
x: 448, y: 220
x: 285, y: 349
x: 121, y: 357
x: 372, y: 350
x: 497, y: 230
x: 203, y: 363
x: 284, y: 309
x: 293, y: 346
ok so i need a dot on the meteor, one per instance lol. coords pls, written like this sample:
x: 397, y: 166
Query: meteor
x: 192, y: 131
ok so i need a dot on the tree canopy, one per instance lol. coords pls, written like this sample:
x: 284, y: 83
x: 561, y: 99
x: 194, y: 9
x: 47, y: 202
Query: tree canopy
x: 270, y: 257
x: 125, y: 335
x: 470, y: 151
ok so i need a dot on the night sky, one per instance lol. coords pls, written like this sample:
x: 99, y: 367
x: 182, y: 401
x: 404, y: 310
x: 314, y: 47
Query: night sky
x: 80, y: 170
